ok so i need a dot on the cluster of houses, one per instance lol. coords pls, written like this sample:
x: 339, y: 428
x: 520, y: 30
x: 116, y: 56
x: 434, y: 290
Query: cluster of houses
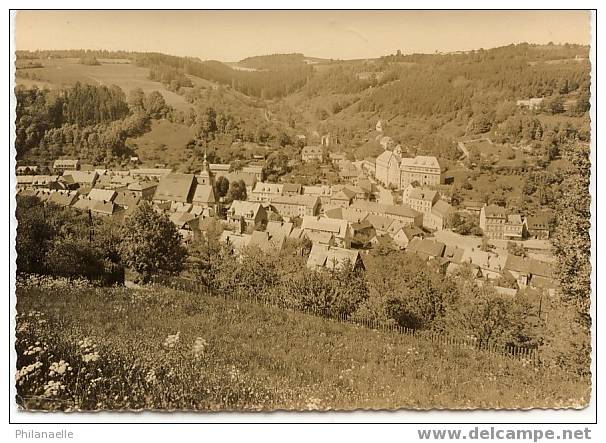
x: 488, y: 265
x: 340, y: 220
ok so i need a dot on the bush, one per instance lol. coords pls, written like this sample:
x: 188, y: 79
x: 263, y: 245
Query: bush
x: 151, y: 243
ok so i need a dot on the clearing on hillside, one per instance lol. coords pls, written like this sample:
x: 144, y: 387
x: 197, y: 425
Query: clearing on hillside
x: 63, y: 72
x: 165, y: 143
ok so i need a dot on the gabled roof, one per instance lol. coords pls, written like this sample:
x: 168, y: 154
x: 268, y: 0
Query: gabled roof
x: 348, y: 214
x: 127, y: 199
x: 141, y: 185
x: 204, y: 194
x: 270, y: 188
x: 322, y: 191
x: 63, y: 199
x: 87, y: 177
x: 401, y: 210
x: 453, y: 254
x: 175, y: 187
x: 237, y: 241
x: 423, y: 194
x: 385, y: 197
x: 180, y: 219
x: 275, y: 228
x: 263, y: 241
x: 309, y: 201
x: 485, y: 260
x: 157, y: 172
x: 331, y: 257
x: 107, y: 208
x: 84, y: 204
x: 240, y: 208
x: 291, y: 188
x: 495, y: 211
x: 295, y: 233
x: 529, y: 266
x: 472, y: 204
x: 426, y: 247
x: 514, y: 219
x: 387, y: 157
x: 323, y: 238
x: 379, y: 222
x: 107, y: 195
x: 441, y: 209
x: 344, y: 194
x: 538, y: 222
x: 365, y: 185
x: 421, y: 160
x: 410, y: 231
x: 337, y: 227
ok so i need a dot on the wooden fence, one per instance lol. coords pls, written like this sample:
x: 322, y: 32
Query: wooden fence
x: 526, y: 354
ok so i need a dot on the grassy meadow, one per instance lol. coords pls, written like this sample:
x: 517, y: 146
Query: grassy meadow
x: 62, y: 72
x: 164, y: 143
x: 83, y: 348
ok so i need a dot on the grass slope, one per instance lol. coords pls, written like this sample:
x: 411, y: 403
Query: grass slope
x: 63, y: 72
x: 280, y: 359
x: 164, y: 143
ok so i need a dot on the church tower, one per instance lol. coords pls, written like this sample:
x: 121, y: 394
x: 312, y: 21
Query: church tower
x: 205, y: 177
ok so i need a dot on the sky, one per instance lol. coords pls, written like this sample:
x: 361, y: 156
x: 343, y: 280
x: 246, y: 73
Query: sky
x: 234, y: 35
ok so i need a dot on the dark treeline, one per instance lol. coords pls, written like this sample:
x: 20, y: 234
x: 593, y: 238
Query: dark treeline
x: 339, y: 80
x: 430, y: 89
x: 87, y: 105
x: 264, y: 84
x: 171, y: 77
x: 72, y: 53
x: 273, y: 61
x: 89, y: 121
x: 512, y: 51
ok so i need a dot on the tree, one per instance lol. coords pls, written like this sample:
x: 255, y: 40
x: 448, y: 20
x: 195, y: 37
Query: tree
x: 33, y: 235
x: 136, y: 100
x: 572, y: 243
x: 221, y: 186
x: 151, y: 243
x: 237, y: 191
x: 155, y: 106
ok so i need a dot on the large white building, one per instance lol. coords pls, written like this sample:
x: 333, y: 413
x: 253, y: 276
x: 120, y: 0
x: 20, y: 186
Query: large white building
x: 387, y: 170
x: 425, y: 170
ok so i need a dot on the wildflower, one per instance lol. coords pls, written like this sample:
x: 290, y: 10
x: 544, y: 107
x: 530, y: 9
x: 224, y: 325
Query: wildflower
x: 52, y: 388
x: 26, y: 370
x: 172, y: 340
x: 91, y: 356
x: 199, y: 347
x: 58, y: 367
x: 150, y: 377
x: 313, y: 403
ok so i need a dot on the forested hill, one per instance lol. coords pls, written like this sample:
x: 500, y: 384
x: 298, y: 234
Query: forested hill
x: 421, y: 83
x: 273, y: 61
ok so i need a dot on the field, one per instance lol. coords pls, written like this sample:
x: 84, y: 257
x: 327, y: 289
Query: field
x: 87, y: 348
x: 58, y: 73
x: 165, y: 143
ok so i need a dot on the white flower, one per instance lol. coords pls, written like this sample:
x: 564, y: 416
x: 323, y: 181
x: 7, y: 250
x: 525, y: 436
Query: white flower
x: 199, y: 347
x: 172, y: 340
x: 91, y: 356
x: 58, y: 367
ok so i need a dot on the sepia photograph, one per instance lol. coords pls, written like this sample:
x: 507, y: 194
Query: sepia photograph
x: 301, y: 210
